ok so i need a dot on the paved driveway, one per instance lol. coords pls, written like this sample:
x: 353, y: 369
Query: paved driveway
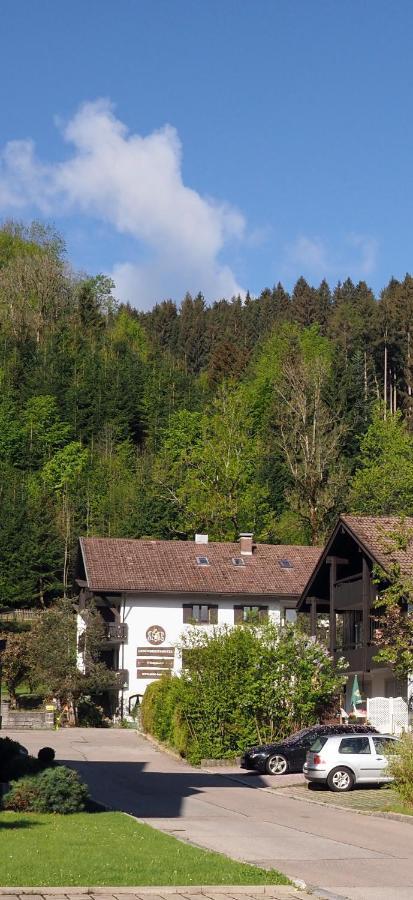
x: 339, y: 851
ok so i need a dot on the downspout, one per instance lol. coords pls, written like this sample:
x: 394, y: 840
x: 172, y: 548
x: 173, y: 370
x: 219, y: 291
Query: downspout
x: 123, y: 658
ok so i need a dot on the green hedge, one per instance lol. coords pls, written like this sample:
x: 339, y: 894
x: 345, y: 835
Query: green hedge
x: 162, y: 713
x: 239, y: 687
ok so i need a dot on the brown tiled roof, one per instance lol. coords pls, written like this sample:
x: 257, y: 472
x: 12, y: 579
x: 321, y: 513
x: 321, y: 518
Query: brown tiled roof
x: 118, y: 564
x: 377, y: 535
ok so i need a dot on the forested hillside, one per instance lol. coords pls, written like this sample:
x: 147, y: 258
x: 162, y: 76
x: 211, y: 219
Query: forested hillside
x: 268, y: 415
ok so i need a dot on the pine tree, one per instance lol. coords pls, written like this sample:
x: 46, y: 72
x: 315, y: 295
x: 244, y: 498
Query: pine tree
x: 304, y: 303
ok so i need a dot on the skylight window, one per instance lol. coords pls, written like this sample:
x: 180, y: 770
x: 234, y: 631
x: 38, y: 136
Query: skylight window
x: 202, y: 560
x: 286, y: 564
x: 238, y: 561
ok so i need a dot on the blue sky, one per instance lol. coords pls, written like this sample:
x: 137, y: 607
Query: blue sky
x: 216, y: 145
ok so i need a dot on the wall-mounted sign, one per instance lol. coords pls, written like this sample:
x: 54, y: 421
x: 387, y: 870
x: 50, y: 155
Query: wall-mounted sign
x: 159, y: 663
x: 150, y: 674
x: 153, y: 662
x: 155, y: 634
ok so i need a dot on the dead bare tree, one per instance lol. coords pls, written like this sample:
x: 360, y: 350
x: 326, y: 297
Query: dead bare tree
x: 310, y: 437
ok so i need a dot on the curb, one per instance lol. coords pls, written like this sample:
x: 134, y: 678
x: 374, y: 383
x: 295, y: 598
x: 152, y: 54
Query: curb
x: 250, y: 783
x: 376, y: 813
x: 201, y: 890
x: 397, y: 817
x: 165, y: 749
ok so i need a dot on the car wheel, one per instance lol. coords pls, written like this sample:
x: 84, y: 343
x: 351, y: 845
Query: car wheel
x: 277, y: 764
x: 341, y: 779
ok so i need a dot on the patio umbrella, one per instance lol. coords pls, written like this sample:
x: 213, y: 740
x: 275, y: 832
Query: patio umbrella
x: 355, y: 693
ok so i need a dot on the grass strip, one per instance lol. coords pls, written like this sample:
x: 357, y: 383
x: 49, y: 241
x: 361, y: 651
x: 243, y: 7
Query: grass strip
x: 98, y: 849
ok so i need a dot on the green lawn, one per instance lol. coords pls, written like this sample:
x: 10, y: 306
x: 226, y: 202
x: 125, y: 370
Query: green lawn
x: 97, y: 849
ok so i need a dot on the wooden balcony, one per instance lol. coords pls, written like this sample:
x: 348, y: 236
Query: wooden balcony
x: 116, y: 633
x: 360, y: 659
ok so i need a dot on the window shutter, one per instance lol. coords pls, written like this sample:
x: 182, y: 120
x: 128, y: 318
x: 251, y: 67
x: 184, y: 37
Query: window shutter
x: 263, y: 613
x: 187, y: 612
x: 213, y: 615
x: 238, y: 615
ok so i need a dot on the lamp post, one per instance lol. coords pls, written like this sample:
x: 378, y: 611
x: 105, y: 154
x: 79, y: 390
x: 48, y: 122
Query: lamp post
x: 2, y: 647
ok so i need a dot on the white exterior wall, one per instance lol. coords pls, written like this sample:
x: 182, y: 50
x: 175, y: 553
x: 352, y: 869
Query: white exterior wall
x: 80, y: 629
x: 142, y: 612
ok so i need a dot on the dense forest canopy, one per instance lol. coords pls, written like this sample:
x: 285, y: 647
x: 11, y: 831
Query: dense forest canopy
x: 267, y: 415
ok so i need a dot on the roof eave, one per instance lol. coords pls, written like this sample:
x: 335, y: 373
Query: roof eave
x: 365, y: 547
x: 110, y: 589
x: 82, y: 550
x: 341, y: 522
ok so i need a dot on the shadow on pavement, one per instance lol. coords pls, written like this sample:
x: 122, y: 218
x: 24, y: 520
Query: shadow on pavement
x: 126, y: 786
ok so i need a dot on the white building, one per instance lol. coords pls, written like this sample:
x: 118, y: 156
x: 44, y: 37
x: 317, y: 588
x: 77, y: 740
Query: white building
x: 150, y: 592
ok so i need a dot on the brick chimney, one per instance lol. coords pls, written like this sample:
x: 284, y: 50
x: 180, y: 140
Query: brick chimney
x: 245, y: 540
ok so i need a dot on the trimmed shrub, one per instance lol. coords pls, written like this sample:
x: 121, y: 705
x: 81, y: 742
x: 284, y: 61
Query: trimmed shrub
x: 46, y: 756
x: 90, y: 715
x: 149, y: 702
x: 22, y: 796
x: 11, y: 754
x: 9, y: 749
x: 20, y: 766
x: 401, y: 767
x: 57, y: 790
x: 160, y: 706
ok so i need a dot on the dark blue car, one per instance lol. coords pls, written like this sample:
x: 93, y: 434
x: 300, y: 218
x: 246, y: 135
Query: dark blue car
x: 289, y: 755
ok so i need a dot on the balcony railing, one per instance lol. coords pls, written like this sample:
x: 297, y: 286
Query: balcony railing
x: 116, y: 632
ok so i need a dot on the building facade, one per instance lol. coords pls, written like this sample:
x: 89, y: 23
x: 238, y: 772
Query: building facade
x: 149, y: 593
x: 342, y: 592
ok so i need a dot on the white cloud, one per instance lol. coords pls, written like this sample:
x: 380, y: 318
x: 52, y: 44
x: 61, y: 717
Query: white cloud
x: 308, y: 252
x: 368, y: 248
x: 134, y: 184
x: 314, y: 258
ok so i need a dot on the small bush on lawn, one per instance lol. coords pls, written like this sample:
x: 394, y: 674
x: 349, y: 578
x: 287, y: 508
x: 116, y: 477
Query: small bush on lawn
x: 57, y: 790
x: 401, y: 767
x: 9, y: 749
x: 20, y: 766
x: 46, y: 756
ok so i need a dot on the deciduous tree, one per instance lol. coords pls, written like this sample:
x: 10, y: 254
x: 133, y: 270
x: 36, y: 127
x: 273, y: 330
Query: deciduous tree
x: 310, y: 433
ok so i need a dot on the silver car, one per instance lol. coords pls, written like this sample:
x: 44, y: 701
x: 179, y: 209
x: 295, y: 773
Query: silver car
x: 341, y: 761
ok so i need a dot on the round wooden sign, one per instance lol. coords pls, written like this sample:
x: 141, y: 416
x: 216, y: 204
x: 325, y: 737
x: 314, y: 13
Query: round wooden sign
x: 156, y: 635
